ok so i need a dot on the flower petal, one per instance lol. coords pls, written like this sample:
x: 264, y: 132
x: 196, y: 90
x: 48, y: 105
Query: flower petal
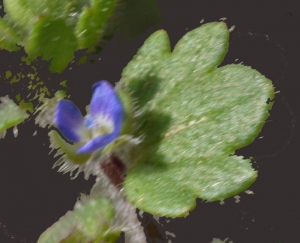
x: 105, y: 107
x: 97, y: 143
x: 68, y: 119
x: 106, y: 104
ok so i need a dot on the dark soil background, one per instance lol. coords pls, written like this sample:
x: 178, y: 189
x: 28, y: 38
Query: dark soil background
x: 266, y: 37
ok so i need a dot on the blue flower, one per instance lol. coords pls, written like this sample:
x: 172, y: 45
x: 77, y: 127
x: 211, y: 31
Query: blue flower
x: 99, y: 127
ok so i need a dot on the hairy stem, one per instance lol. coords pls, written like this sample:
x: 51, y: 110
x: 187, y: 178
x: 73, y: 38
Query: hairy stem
x: 126, y: 216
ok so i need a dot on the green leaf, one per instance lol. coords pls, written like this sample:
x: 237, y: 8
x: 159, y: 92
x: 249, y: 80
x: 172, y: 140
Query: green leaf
x: 53, y: 39
x: 193, y: 117
x: 19, y: 11
x: 53, y: 29
x: 10, y: 114
x: 92, y: 21
x: 8, y: 37
x: 88, y: 223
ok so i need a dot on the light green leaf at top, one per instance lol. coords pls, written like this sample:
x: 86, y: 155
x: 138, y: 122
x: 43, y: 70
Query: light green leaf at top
x: 10, y: 114
x: 88, y: 223
x: 55, y: 29
x: 19, y: 11
x: 193, y: 116
x: 53, y: 39
x: 24, y: 12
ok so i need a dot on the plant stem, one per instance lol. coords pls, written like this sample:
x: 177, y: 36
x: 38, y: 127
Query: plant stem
x: 126, y: 217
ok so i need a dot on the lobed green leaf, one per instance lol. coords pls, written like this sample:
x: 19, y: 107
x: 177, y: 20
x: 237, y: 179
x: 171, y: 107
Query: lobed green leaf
x: 194, y: 116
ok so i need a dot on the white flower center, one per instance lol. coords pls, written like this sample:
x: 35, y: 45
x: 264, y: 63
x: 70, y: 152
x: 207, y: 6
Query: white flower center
x: 97, y: 126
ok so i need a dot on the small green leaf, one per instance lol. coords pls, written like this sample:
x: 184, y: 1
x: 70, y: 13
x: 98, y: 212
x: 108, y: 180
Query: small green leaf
x: 88, y: 223
x: 193, y: 116
x: 10, y: 114
x: 92, y: 21
x: 53, y: 39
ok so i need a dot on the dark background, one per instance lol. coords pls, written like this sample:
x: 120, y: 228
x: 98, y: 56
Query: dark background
x: 266, y: 37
